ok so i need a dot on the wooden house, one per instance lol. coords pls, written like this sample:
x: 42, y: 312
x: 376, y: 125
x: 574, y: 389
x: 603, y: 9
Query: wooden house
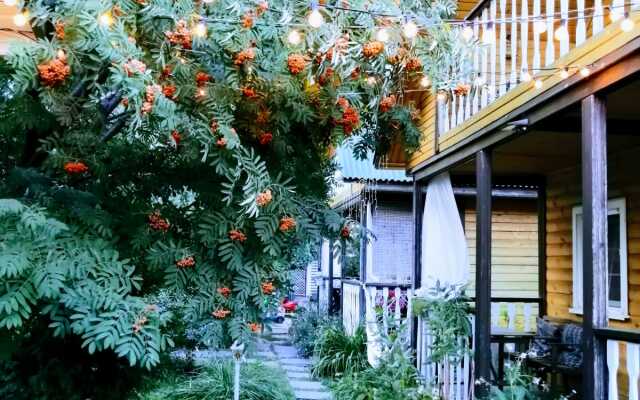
x: 552, y: 107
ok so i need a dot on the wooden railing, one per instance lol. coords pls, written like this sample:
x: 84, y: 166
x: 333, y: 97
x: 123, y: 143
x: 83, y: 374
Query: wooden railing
x: 518, y: 40
x: 623, y: 358
x: 516, y: 315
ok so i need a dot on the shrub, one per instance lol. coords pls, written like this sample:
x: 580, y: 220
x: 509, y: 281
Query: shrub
x: 338, y: 353
x: 395, y: 378
x: 215, y: 381
x: 305, y: 329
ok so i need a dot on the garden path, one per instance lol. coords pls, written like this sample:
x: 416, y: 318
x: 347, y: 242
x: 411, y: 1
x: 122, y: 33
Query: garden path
x: 277, y: 342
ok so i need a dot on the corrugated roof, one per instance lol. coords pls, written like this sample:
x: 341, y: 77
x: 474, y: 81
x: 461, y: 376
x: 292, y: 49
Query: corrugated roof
x: 352, y: 168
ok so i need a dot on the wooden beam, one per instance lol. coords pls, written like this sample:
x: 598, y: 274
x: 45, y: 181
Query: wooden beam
x: 416, y: 273
x: 594, y: 265
x: 330, y: 305
x: 482, y: 352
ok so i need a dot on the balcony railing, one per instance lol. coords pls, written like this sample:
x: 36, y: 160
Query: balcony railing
x: 519, y: 40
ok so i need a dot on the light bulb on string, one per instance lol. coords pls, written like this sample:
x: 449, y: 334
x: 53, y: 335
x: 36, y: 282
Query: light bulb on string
x: 441, y: 96
x: 627, y: 23
x: 467, y: 32
x: 425, y: 81
x: 200, y: 30
x: 410, y: 29
x: 615, y: 14
x: 294, y: 37
x: 564, y: 73
x: 371, y: 80
x: 10, y: 3
x: 61, y: 55
x: 488, y: 36
x: 382, y: 35
x: 540, y: 26
x: 584, y: 71
x: 21, y: 18
x: 315, y: 18
x: 562, y: 33
x: 526, y: 76
x: 105, y: 19
x: 538, y: 83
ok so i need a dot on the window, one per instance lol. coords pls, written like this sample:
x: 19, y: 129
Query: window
x: 616, y: 258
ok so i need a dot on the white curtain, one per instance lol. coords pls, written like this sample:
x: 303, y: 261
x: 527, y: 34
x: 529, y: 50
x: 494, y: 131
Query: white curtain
x: 374, y: 343
x: 445, y: 256
x: 371, y: 277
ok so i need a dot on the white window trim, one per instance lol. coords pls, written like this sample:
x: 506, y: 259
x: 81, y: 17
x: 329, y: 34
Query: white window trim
x: 615, y: 206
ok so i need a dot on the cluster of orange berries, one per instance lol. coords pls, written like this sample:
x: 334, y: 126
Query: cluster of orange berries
x: 60, y: 33
x: 221, y: 313
x: 244, y: 56
x: 345, y: 232
x: 249, y: 92
x: 413, y: 64
x: 224, y: 291
x: 267, y: 288
x: 157, y: 223
x: 237, y: 235
x: 169, y: 91
x: 202, y: 78
x: 265, y: 138
x: 296, y: 63
x: 176, y: 136
x: 254, y: 327
x: 372, y: 49
x: 387, y: 103
x: 134, y: 66
x: 73, y: 168
x: 140, y: 322
x: 181, y: 36
x: 326, y: 77
x: 186, y: 262
x: 462, y: 89
x: 150, y: 96
x: 264, y: 198
x: 263, y: 117
x: 350, y: 117
x: 55, y: 72
x: 286, y: 224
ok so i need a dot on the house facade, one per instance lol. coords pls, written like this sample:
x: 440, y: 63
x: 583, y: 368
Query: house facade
x: 553, y: 107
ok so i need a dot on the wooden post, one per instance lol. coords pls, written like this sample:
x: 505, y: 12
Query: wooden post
x: 363, y: 259
x: 542, y: 247
x: 416, y: 275
x: 330, y: 306
x: 594, y: 265
x: 483, y: 271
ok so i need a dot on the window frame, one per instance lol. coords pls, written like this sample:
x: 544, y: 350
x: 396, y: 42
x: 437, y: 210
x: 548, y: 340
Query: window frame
x: 615, y: 206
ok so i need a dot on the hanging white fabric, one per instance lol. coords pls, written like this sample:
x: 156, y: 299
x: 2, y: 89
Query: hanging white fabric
x: 374, y: 341
x: 371, y: 277
x: 445, y: 255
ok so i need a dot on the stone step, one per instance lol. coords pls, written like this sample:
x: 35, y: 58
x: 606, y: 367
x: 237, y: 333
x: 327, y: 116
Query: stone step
x: 295, y: 361
x: 296, y: 368
x: 307, y: 385
x: 311, y: 395
x: 299, y: 375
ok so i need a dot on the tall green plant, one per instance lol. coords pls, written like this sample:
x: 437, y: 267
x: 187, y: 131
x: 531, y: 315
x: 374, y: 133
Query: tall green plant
x: 306, y: 327
x: 338, y: 353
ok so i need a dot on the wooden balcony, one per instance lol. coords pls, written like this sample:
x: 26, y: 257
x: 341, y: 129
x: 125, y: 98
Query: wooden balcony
x: 518, y: 63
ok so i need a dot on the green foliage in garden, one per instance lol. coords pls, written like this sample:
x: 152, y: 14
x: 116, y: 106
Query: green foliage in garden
x: 395, y: 377
x: 337, y: 353
x: 307, y: 326
x: 520, y: 384
x: 215, y: 381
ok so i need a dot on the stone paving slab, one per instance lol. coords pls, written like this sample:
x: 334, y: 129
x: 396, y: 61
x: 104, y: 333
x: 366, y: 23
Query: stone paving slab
x: 311, y: 395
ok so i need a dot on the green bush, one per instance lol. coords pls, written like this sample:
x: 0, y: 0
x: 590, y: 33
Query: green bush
x: 215, y: 381
x: 395, y: 378
x: 306, y: 327
x: 338, y: 353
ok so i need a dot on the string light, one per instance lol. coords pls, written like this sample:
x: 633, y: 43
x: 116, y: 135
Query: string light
x: 539, y: 26
x: 467, y: 32
x: 294, y: 37
x: 410, y: 29
x: 562, y: 33
x: 488, y: 35
x: 10, y: 3
x: 615, y: 14
x: 200, y: 30
x: 538, y: 84
x: 61, y: 55
x: 441, y: 96
x: 526, y: 76
x: 425, y: 81
x: 564, y: 73
x: 371, y: 80
x: 315, y: 19
x: 627, y: 23
x: 20, y: 19
x: 105, y: 19
x: 584, y: 71
x: 382, y: 35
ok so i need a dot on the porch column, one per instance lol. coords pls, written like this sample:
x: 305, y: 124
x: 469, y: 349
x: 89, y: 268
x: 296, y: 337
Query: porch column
x: 330, y: 305
x: 482, y: 352
x: 416, y: 273
x: 594, y: 265
x: 363, y: 259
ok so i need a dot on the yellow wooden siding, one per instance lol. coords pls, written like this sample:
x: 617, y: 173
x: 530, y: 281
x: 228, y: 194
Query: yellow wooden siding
x: 514, y: 251
x: 589, y: 52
